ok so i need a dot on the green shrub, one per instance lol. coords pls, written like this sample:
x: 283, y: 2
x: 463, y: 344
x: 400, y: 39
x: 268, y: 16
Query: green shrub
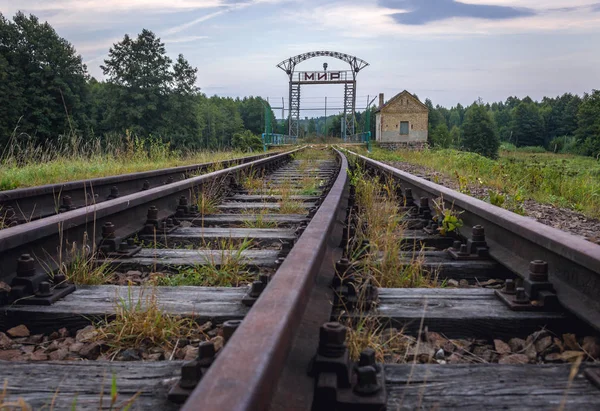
x: 246, y: 141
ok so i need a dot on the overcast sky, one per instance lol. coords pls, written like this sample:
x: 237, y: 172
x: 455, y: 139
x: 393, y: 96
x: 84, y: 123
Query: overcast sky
x: 450, y: 51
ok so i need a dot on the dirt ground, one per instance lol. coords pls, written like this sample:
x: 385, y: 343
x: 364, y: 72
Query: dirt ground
x: 561, y: 218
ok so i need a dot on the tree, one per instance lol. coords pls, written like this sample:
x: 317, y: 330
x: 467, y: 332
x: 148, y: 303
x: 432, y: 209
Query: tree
x: 588, y: 124
x: 141, y: 70
x: 43, y: 88
x: 528, y: 125
x: 479, y: 133
x: 184, y: 77
x: 312, y: 127
x: 441, y: 136
x: 455, y: 137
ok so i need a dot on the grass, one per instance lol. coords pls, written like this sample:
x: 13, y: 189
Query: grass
x: 141, y: 322
x: 562, y: 180
x: 82, y: 268
x: 230, y: 272
x: 378, y: 221
x: 25, y: 164
x: 260, y: 222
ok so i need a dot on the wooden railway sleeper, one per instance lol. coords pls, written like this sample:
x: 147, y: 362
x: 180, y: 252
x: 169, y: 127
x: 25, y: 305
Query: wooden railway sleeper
x: 340, y: 383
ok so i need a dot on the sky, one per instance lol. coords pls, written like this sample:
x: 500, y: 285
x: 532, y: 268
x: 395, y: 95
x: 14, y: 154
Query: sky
x: 446, y: 50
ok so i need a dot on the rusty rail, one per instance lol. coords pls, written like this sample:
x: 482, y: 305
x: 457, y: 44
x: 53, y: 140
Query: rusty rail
x: 46, y: 239
x: 244, y: 376
x: 32, y: 203
x: 514, y: 241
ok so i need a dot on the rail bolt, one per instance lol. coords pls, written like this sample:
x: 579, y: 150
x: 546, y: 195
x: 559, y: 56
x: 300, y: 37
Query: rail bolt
x: 424, y: 202
x: 59, y: 280
x: 67, y: 202
x: 332, y: 338
x: 114, y: 192
x: 229, y: 328
x: 146, y: 185
x: 183, y: 201
x: 206, y: 353
x: 257, y: 288
x: 152, y: 213
x: 191, y: 374
x: 25, y: 266
x: 510, y: 287
x: 367, y: 383
x: 478, y: 233
x: 44, y: 289
x: 108, y: 230
x: 521, y: 296
x: 367, y: 357
x: 463, y: 250
x: 342, y: 266
x: 538, y: 270
x: 170, y: 180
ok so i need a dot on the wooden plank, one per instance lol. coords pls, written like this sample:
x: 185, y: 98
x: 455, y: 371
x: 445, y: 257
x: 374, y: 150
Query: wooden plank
x: 488, y: 387
x: 61, y: 383
x: 458, y: 313
x: 282, y: 220
x: 269, y: 198
x: 440, y: 262
x: 200, y: 235
x: 96, y: 302
x: 421, y: 238
x: 164, y: 259
x: 228, y: 205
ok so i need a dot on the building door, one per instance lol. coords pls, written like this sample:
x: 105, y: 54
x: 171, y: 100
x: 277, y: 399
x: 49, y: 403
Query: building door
x: 404, y: 128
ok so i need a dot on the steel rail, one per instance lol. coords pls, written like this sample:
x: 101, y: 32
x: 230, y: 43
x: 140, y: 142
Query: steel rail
x: 32, y: 203
x: 514, y: 241
x: 45, y: 238
x: 244, y: 376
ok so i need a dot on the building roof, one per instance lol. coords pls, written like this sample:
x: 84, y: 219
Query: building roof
x: 397, y: 96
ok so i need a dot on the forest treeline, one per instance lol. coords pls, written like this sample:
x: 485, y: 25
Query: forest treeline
x: 567, y: 123
x: 46, y: 93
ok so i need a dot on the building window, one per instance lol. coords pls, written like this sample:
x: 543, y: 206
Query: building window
x: 404, y: 127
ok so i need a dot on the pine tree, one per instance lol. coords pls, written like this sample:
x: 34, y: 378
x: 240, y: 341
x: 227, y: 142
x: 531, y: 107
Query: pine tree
x: 479, y: 133
x: 528, y: 125
x: 588, y: 124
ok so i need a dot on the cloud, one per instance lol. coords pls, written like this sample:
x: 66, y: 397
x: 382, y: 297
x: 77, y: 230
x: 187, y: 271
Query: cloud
x: 183, y: 39
x: 364, y: 20
x: 418, y: 12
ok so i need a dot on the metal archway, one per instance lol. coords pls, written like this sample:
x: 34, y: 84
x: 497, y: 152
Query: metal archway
x: 348, y: 78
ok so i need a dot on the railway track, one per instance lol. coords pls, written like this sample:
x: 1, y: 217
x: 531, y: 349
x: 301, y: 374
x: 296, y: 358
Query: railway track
x: 291, y: 279
x: 22, y: 205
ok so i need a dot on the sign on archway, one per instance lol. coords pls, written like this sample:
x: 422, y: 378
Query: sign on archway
x: 346, y: 77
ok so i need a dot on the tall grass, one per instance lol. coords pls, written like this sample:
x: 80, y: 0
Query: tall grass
x: 139, y: 321
x: 25, y: 163
x: 379, y: 221
x: 559, y: 179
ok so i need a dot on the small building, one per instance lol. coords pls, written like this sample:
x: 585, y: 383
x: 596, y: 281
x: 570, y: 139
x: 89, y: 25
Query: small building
x: 403, y: 119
